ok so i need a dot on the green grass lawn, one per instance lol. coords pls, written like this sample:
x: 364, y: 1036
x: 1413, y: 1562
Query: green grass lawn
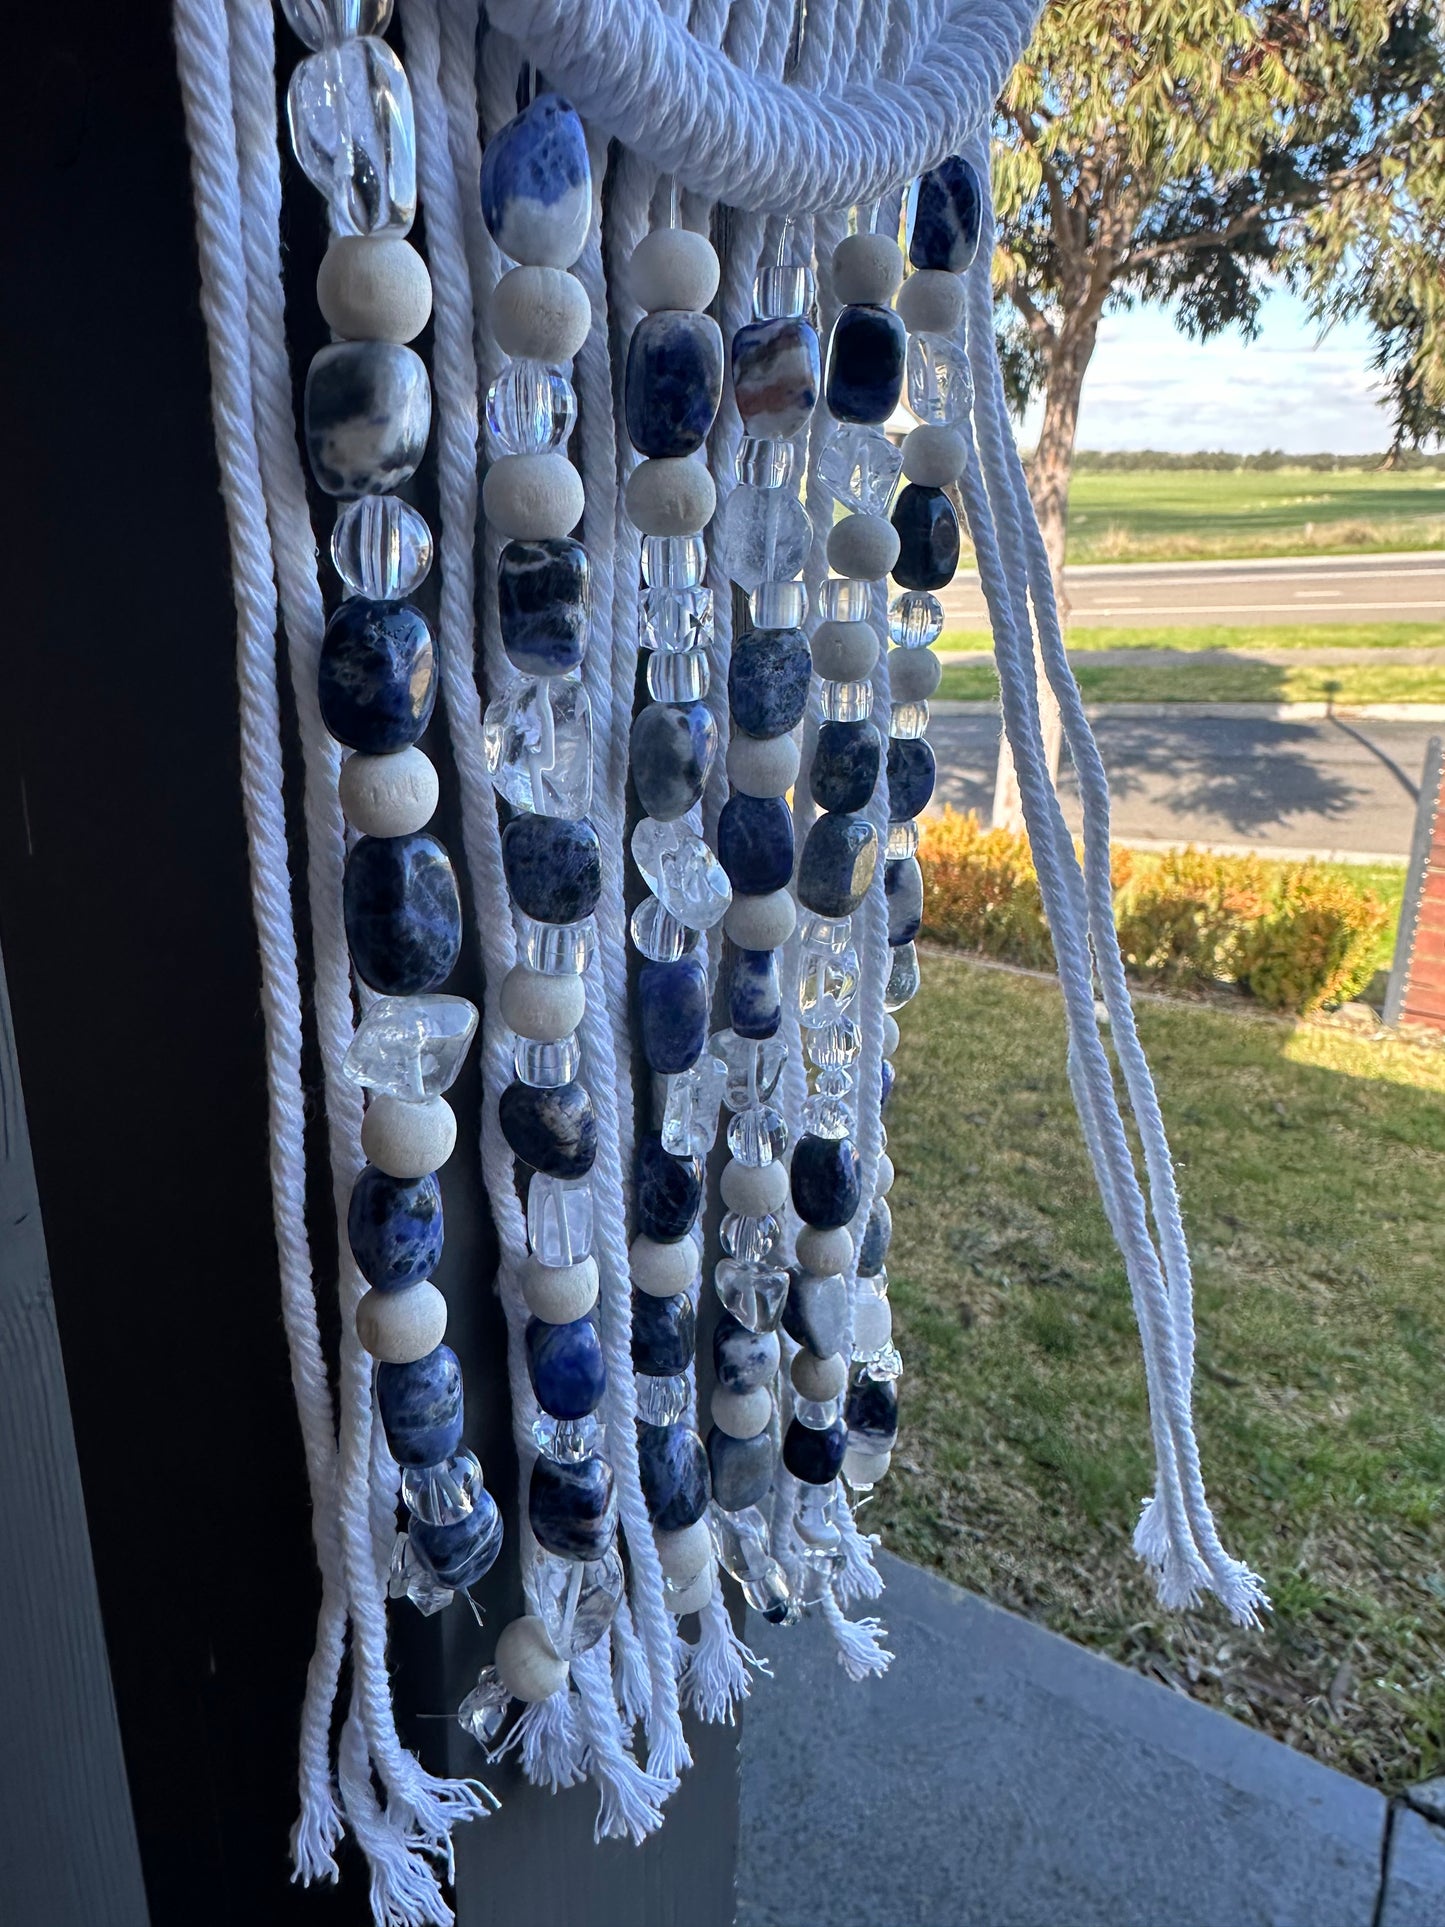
x: 1233, y: 677
x: 1239, y: 640
x: 1312, y: 1166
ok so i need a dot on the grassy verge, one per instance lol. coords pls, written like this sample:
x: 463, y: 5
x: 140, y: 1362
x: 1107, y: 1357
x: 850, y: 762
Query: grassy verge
x: 1239, y: 640
x: 1235, y: 678
x: 1312, y: 1164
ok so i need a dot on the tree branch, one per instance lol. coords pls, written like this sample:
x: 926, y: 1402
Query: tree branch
x: 1186, y: 243
x: 1037, y: 322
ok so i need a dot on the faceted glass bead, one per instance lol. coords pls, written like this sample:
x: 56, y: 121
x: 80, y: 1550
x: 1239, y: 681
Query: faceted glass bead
x: 537, y: 740
x: 915, y: 619
x: 408, y: 1578
x: 749, y: 1238
x: 546, y: 1063
x: 785, y: 288
x: 753, y: 1067
x: 763, y: 535
x: 903, y: 977
x: 411, y: 1047
x: 658, y: 935
x: 566, y: 1439
x: 779, y: 605
x: 827, y: 986
x: 559, y: 1219
x: 757, y: 1136
x: 575, y: 1599
x: 381, y: 547
x: 835, y: 1082
x: 556, y: 949
x: 908, y: 720
x: 833, y: 1046
x: 847, y: 702
x: 354, y: 132
x: 483, y: 1713
x: 530, y: 408
x: 682, y: 872
x: 673, y: 561
x: 325, y: 23
x: 690, y: 1112
x: 678, y: 675
x: 662, y: 1401
x: 940, y: 387
x: 754, y: 1294
x: 841, y: 599
x: 678, y: 618
x: 825, y: 1116
x: 440, y: 1495
x: 860, y: 466
x: 766, y: 463
x: 902, y: 841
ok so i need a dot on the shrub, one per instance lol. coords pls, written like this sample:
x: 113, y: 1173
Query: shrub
x: 1183, y: 918
x: 981, y: 891
x: 1315, y: 946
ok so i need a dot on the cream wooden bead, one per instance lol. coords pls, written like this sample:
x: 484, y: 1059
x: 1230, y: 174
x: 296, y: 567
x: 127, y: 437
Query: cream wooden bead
x: 762, y: 766
x: 913, y: 675
x: 673, y: 268
x: 662, y: 1270
x: 824, y: 1251
x: 683, y: 1555
x: 867, y: 268
x: 525, y: 1662
x: 753, y: 1190
x: 373, y: 287
x: 819, y: 1378
x: 863, y: 547
x: 932, y: 302
x: 407, y: 1140
x: 872, y: 1323
x: 537, y: 1005
x: 742, y: 1415
x: 885, y: 1176
x: 934, y: 455
x: 692, y: 1599
x: 844, y: 651
x: 542, y: 314
x: 560, y: 1294
x: 388, y: 795
x: 865, y: 1468
x: 670, y: 495
x: 761, y: 923
x: 533, y: 497
x: 398, y: 1327
x: 890, y: 1033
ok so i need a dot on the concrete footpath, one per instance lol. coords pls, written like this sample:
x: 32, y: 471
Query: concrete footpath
x: 999, y: 1776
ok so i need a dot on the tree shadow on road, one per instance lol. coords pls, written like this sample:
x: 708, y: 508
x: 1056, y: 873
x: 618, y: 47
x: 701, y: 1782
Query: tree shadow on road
x: 1246, y: 776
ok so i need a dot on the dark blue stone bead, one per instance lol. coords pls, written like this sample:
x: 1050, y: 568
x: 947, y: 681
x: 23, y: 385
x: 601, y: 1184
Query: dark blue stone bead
x: 421, y: 1407
x: 673, y: 1001
x: 865, y: 364
x: 553, y: 866
x: 826, y: 1180
x: 536, y: 185
x: 673, y: 382
x: 877, y: 1236
x: 755, y: 844
x: 815, y: 1457
x: 928, y: 538
x: 776, y: 366
x: 395, y: 1228
x: 461, y: 1553
x: 377, y: 677
x: 543, y: 592
x: 673, y: 1466
x: 742, y: 1469
x: 870, y: 1412
x: 673, y: 745
x: 768, y: 679
x: 903, y: 887
x: 664, y: 1334
x: 890, y: 1077
x: 554, y: 1129
x: 837, y: 867
x: 743, y: 1360
x: 669, y: 1191
x: 403, y: 914
x: 845, y: 765
x: 945, y: 216
x: 366, y: 414
x: 565, y: 1365
x: 572, y: 1506
x: 912, y: 771
x: 755, y: 999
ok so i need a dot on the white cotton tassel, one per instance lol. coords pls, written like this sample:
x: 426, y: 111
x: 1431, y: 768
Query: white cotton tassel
x: 860, y: 1578
x: 718, y: 1674
x: 405, y: 1891
x: 859, y: 1641
x: 631, y: 1804
x: 631, y: 1681
x: 548, y: 1738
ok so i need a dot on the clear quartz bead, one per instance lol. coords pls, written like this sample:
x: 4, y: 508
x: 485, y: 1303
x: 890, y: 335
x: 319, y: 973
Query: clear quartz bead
x: 680, y: 618
x: 662, y: 1401
x: 353, y: 129
x: 326, y: 23
x: 556, y: 949
x: 559, y: 1219
x: 779, y: 605
x: 445, y: 1494
x: 903, y: 977
x: 575, y: 1599
x: 827, y: 985
x: 740, y: 1540
x: 682, y: 872
x: 859, y: 467
x: 783, y: 290
x: 753, y: 1067
x: 902, y: 841
x: 530, y: 408
x: 754, y: 1240
x: 833, y: 1046
x: 833, y: 934
x: 658, y: 935
x: 769, y: 1593
x: 411, y: 1047
x: 754, y: 1294
x: 915, y: 619
x: 841, y: 599
x: 690, y: 1112
x: 940, y: 387
x: 483, y: 1713
x: 566, y: 1439
x: 766, y: 463
x: 817, y: 1413
x: 546, y: 1063
x: 537, y: 741
x: 907, y: 720
x: 381, y: 547
x: 673, y: 561
x: 827, y: 1117
x: 847, y: 702
x: 813, y: 1517
x: 408, y: 1578
x: 762, y: 535
x: 678, y: 676
x: 757, y: 1136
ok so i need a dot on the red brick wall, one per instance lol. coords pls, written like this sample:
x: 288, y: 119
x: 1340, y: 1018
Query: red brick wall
x: 1425, y: 987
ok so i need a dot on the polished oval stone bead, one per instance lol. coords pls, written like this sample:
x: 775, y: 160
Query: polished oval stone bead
x: 565, y: 1365
x: 755, y: 844
x: 461, y: 1553
x: 826, y: 1180
x: 928, y: 538
x: 866, y: 357
x: 846, y: 762
x: 669, y: 1191
x: 552, y: 1127
x: 572, y: 1506
x: 776, y: 368
x: 742, y: 1469
x: 870, y: 1413
x: 377, y: 676
x: 815, y: 1457
x: 403, y: 914
x: 742, y: 1359
x: 394, y: 1226
x: 553, y: 866
x: 890, y: 1077
x: 768, y: 679
x: 755, y: 999
x: 664, y: 1334
x: 543, y: 596
x: 673, y: 1467
x: 877, y: 1236
x: 673, y: 746
x: 945, y: 216
x: 537, y: 185
x: 673, y: 382
x: 366, y: 415
x: 421, y: 1407
x: 912, y: 771
x: 816, y: 1312
x: 673, y: 1004
x: 837, y: 865
x: 903, y: 888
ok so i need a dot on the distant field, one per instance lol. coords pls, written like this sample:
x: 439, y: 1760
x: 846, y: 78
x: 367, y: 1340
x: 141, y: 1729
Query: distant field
x: 1225, y: 678
x: 1301, y: 635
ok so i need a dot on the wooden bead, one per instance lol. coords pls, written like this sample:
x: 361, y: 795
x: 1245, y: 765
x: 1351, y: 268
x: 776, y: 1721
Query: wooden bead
x: 525, y: 1662
x: 742, y: 1415
x: 754, y: 1190
x: 683, y: 1555
x: 693, y: 1598
x: 388, y: 795
x: 399, y: 1327
x: 373, y: 287
x: 762, y: 766
x: 537, y: 1005
x: 867, y: 268
x: 670, y: 495
x: 533, y: 497
x: 674, y: 268
x: 934, y: 455
x: 406, y: 1140
x: 560, y: 1294
x: 761, y: 923
x: 541, y: 314
x: 913, y: 675
x: 862, y: 547
x: 662, y: 1270
x: 819, y: 1378
x: 844, y: 651
x: 824, y: 1252
x: 932, y: 302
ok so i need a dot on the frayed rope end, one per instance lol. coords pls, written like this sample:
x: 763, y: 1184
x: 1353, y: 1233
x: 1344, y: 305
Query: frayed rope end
x: 859, y: 1641
x: 719, y: 1671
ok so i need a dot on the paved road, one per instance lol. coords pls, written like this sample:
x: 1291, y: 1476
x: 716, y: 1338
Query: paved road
x: 1331, y: 784
x: 1341, y: 588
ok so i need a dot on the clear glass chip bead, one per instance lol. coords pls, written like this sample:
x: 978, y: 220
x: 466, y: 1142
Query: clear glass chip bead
x: 546, y: 1063
x: 690, y: 1113
x: 559, y: 1219
x: 575, y: 1599
x: 908, y: 720
x: 566, y: 1439
x: 915, y: 619
x: 834, y: 934
x: 353, y: 129
x: 381, y: 547
x: 762, y: 535
x: 537, y: 741
x: 860, y: 467
x: 813, y: 1517
x: 408, y: 1578
x: 740, y: 1540
x: 834, y: 1046
x: 483, y: 1713
x: 673, y: 561
x: 411, y: 1047
x: 676, y: 619
x: 939, y: 385
x: 753, y: 1067
x: 779, y: 605
x: 841, y: 599
x: 682, y: 872
x: 784, y: 290
x: 757, y: 1136
x: 530, y: 408
x: 827, y: 985
x: 903, y: 977
x: 662, y: 1401
x: 445, y: 1494
x: 754, y: 1240
x: 556, y: 949
x: 846, y: 702
x: 902, y: 841
x: 658, y: 935
x: 678, y: 676
x: 754, y: 1294
x: 325, y: 23
x: 766, y: 463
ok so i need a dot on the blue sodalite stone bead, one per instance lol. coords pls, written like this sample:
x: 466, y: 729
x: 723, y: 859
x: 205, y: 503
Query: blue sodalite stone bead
x: 776, y: 367
x: 845, y: 765
x: 553, y: 866
x: 395, y: 1228
x: 403, y: 914
x: 816, y: 1312
x: 366, y: 416
x: 768, y: 679
x: 668, y: 1193
x: 553, y: 1128
x: 912, y: 771
x: 928, y: 538
x: 870, y: 1412
x: 755, y: 844
x: 890, y: 1078
x: 755, y: 998
x: 421, y: 1407
x: 537, y: 185
x: 827, y: 1180
x: 742, y: 1469
x: 837, y: 866
x: 543, y: 595
x: 673, y: 745
x: 865, y: 364
x: 945, y: 216
x: 673, y: 1003
x: 565, y: 1365
x: 664, y: 1334
x: 461, y: 1553
x: 877, y: 1236
x: 377, y: 677
x: 673, y: 382
x: 673, y: 1466
x: 742, y: 1360
x: 903, y: 888
x: 572, y: 1506
x: 815, y: 1457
